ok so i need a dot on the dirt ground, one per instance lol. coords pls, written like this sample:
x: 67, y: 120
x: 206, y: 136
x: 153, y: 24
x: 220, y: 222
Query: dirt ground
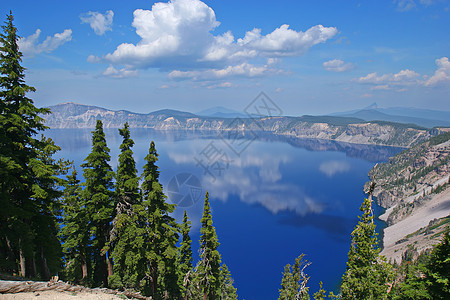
x: 52, y: 295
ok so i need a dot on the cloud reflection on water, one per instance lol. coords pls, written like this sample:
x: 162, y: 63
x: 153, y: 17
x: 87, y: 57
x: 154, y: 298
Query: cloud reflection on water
x: 256, y: 179
x: 332, y: 167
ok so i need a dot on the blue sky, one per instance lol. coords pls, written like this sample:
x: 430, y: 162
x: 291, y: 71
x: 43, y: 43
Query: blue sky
x: 310, y: 57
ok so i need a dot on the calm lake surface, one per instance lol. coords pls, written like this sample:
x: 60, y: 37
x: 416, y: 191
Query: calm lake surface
x: 272, y: 198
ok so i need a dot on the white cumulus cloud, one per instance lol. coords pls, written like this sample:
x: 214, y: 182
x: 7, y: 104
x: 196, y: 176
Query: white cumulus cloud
x: 122, y: 73
x: 30, y: 45
x: 407, y: 77
x: 381, y: 87
x: 170, y: 31
x: 385, y: 81
x: 284, y: 41
x: 442, y: 74
x: 337, y: 65
x: 244, y: 70
x: 100, y: 23
x: 178, y: 36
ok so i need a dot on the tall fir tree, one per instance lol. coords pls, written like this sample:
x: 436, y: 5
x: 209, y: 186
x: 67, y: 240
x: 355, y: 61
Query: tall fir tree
x: 126, y: 232
x: 208, y: 268
x: 162, y: 234
x: 185, y: 257
x: 75, y: 233
x: 28, y: 185
x: 367, y: 275
x: 99, y: 203
x: 46, y: 194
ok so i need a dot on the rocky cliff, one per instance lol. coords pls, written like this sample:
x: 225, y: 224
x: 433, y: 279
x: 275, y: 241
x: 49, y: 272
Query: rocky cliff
x: 414, y: 187
x: 350, y: 130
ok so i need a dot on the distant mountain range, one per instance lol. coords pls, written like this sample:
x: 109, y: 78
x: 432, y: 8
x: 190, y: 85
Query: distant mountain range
x: 338, y: 128
x: 422, y: 117
x: 221, y: 112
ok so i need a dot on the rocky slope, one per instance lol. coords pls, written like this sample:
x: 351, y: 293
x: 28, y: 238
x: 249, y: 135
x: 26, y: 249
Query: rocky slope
x: 350, y: 130
x: 414, y: 187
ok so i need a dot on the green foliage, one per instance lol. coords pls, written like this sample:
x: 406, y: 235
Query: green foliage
x: 442, y: 138
x: 321, y: 293
x: 127, y: 181
x: 424, y: 277
x: 29, y: 183
x: 437, y: 272
x: 367, y: 275
x: 208, y: 268
x: 287, y: 290
x: 293, y: 283
x: 227, y: 290
x: 98, y: 203
x: 399, y: 125
x: 185, y: 256
x: 75, y: 232
x: 331, y: 120
x: 126, y: 232
x: 411, y: 286
x: 161, y: 234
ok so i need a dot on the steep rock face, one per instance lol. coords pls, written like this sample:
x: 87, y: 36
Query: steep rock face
x: 412, y: 173
x: 414, y: 187
x: 71, y: 115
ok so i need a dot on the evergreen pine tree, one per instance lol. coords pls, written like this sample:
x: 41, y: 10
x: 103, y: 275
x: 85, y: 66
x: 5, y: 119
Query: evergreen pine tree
x: 208, y: 268
x: 293, y: 283
x: 367, y: 275
x: 161, y: 234
x: 75, y: 232
x: 46, y: 193
x: 185, y: 257
x: 99, y: 203
x: 28, y: 187
x: 126, y: 225
x: 227, y: 290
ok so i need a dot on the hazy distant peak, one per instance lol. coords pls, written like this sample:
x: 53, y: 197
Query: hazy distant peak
x: 371, y: 106
x: 221, y: 112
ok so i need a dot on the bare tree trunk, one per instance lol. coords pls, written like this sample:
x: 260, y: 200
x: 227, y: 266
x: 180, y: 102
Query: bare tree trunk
x: 104, y: 270
x: 84, y: 269
x: 11, y: 254
x: 33, y: 265
x: 45, y: 269
x: 22, y: 260
x: 110, y: 266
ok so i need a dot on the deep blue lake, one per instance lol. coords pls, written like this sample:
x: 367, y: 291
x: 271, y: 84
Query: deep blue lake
x: 272, y: 198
